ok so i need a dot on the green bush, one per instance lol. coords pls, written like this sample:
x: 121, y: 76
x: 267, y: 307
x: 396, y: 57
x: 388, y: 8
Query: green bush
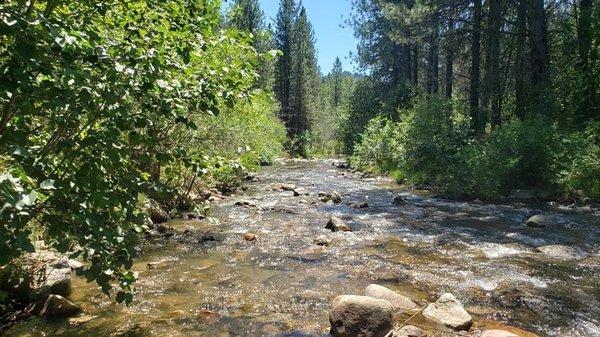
x: 578, y: 164
x: 379, y: 148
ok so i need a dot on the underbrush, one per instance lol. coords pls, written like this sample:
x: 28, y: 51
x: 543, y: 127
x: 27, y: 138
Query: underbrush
x: 431, y: 145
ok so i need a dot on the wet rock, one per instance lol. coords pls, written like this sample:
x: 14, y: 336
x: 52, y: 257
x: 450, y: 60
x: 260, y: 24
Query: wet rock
x: 399, y: 200
x: 68, y: 263
x: 448, y: 312
x: 336, y: 224
x: 336, y: 197
x: 409, y: 331
x: 300, y: 191
x: 353, y: 316
x: 165, y: 230
x: 341, y: 164
x: 155, y: 211
x: 245, y: 203
x: 358, y: 205
x: 399, y: 302
x: 522, y: 195
x: 563, y: 253
x: 56, y: 306
x: 498, y: 333
x: 250, y: 237
x: 322, y: 240
x: 367, y: 175
x: 540, y: 221
x: 284, y: 187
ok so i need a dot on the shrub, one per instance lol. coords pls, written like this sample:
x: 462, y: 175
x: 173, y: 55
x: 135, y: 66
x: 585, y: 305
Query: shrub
x: 578, y: 164
x: 379, y: 148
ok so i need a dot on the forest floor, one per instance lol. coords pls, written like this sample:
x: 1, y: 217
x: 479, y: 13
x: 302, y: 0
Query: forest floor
x: 267, y: 266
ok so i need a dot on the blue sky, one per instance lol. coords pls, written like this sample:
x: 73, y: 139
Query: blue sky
x: 326, y: 17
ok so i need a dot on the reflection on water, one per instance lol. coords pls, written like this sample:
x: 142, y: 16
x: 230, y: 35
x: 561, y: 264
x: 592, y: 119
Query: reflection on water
x: 208, y: 281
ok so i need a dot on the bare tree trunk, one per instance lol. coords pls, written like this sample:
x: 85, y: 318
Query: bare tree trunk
x: 415, y: 65
x: 476, y: 120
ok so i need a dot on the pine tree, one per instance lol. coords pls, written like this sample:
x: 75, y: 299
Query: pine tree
x: 305, y: 77
x: 336, y: 74
x: 286, y: 18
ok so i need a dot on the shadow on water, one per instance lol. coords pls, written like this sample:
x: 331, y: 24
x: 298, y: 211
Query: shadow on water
x: 210, y: 282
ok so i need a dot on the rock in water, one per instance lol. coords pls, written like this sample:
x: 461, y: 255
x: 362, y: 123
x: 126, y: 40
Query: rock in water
x: 448, y: 312
x: 155, y: 211
x: 300, y: 191
x: 322, y: 240
x: 250, y: 237
x: 58, y: 306
x: 498, y: 333
x: 360, y: 316
x: 337, y: 224
x: 399, y: 302
x: 561, y: 252
x: 539, y: 221
x: 336, y: 197
x: 399, y: 200
x: 409, y: 331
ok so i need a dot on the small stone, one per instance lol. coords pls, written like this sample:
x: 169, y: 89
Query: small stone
x: 399, y: 200
x: 399, y: 302
x: 284, y: 187
x: 358, y: 205
x: 448, y: 312
x: 250, y: 237
x: 409, y: 331
x: 335, y: 197
x: 353, y: 316
x: 322, y: 240
x: 300, y: 191
x: 245, y: 203
x: 57, y: 306
x: 336, y: 224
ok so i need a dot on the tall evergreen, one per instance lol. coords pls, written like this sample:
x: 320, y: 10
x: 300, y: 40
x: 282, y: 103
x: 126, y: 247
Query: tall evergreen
x: 336, y: 74
x: 286, y: 18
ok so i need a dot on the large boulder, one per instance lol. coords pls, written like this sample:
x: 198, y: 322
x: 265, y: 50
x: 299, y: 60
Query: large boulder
x: 399, y: 302
x: 448, y: 312
x: 56, y: 306
x: 336, y: 224
x: 53, y: 279
x: 409, y: 331
x: 540, y: 221
x: 360, y: 316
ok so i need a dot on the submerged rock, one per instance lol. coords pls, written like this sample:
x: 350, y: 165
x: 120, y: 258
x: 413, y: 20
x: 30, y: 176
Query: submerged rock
x: 322, y: 240
x: 562, y: 252
x: 360, y: 316
x: 358, y: 205
x: 448, y: 312
x: 337, y: 224
x: 250, y: 237
x: 399, y: 200
x: 399, y: 302
x: 56, y: 306
x: 498, y: 333
x: 409, y: 331
x: 540, y: 221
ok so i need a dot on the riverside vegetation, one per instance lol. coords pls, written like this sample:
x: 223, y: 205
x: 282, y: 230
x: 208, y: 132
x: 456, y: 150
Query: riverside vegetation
x: 116, y: 117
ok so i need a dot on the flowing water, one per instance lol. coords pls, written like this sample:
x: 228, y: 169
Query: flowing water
x: 208, y: 281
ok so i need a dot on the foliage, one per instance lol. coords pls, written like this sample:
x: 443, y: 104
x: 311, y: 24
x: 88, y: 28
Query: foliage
x: 380, y: 147
x: 94, y: 95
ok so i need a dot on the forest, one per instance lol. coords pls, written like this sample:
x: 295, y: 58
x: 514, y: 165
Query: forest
x: 114, y: 114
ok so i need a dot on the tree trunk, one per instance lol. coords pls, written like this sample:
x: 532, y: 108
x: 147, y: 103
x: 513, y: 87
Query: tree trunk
x: 520, y: 58
x: 415, y: 65
x: 449, y: 78
x: 588, y: 106
x: 539, y: 55
x: 433, y: 60
x: 492, y: 86
x: 476, y: 120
